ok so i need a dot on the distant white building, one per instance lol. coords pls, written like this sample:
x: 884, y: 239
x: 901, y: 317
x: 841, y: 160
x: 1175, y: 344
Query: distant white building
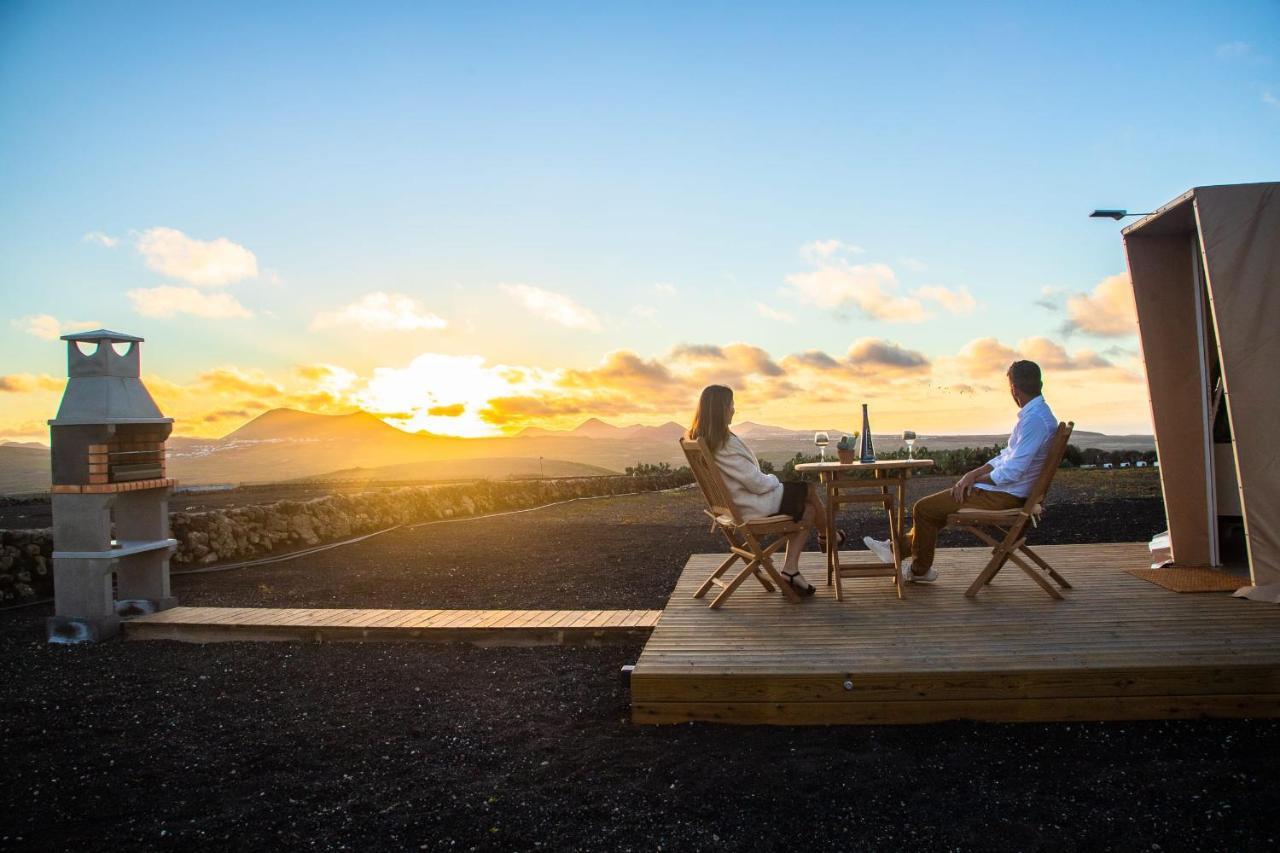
x: 1107, y: 466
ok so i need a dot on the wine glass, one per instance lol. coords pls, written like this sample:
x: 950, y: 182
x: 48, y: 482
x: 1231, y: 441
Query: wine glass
x: 822, y: 440
x: 910, y: 438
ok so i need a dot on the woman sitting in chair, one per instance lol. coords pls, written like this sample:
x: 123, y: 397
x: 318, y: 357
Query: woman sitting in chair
x: 754, y: 493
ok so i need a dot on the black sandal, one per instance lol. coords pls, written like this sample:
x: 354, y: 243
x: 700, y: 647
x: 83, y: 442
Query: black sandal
x: 807, y: 589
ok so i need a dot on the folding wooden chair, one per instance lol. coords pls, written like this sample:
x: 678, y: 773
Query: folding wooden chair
x: 1012, y: 525
x: 742, y: 535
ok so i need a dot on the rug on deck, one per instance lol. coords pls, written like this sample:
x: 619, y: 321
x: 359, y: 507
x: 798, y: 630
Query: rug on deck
x: 1192, y: 580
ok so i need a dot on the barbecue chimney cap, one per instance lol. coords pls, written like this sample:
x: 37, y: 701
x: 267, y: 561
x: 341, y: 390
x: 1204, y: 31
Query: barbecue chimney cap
x: 98, y: 336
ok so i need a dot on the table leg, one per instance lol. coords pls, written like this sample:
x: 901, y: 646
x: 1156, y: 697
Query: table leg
x: 833, y: 545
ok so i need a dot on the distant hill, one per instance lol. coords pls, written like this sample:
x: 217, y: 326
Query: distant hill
x: 35, y: 444
x: 467, y: 469
x: 285, y: 444
x: 293, y: 425
x: 23, y: 469
x: 596, y: 428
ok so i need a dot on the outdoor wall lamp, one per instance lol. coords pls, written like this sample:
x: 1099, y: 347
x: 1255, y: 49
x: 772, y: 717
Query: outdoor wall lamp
x: 1117, y: 215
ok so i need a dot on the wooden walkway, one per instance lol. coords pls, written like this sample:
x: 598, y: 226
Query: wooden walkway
x: 479, y: 627
x: 1116, y: 648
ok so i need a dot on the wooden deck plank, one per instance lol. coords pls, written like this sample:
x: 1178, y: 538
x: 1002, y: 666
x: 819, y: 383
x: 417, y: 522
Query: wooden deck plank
x: 1116, y: 647
x: 517, y: 627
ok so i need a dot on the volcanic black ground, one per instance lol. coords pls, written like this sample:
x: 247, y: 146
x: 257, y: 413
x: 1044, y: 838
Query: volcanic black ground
x: 404, y: 746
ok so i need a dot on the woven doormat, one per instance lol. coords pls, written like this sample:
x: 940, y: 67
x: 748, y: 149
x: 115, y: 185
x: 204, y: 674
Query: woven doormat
x: 1191, y: 580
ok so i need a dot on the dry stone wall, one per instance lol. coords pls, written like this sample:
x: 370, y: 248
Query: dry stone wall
x: 245, y: 532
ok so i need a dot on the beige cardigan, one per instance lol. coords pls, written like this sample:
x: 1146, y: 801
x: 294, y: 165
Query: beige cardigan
x: 754, y: 493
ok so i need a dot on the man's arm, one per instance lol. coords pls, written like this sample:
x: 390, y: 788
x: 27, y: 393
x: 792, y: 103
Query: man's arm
x: 965, y: 484
x: 1014, y: 464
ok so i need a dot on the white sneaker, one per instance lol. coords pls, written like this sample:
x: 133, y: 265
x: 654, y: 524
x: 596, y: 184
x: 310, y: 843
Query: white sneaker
x: 882, y: 548
x: 928, y: 577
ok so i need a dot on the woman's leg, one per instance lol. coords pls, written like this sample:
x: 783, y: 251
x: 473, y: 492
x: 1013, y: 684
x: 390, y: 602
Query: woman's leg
x: 820, y: 517
x: 819, y: 509
x: 795, y: 544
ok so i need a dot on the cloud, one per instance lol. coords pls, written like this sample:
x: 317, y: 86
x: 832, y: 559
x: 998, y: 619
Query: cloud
x: 518, y: 410
x: 868, y: 361
x: 22, y: 383
x: 915, y: 264
x: 1107, y: 312
x: 743, y: 358
x: 644, y: 312
x: 205, y: 263
x: 49, y: 328
x: 813, y: 359
x: 820, y: 251
x: 773, y: 314
x: 232, y: 380
x: 1051, y: 355
x: 985, y: 357
x: 166, y: 301
x: 665, y: 287
x: 329, y: 375
x: 227, y: 415
x: 877, y: 353
x: 693, y: 352
x: 555, y: 307
x: 381, y: 312
x: 957, y: 301
x: 837, y: 285
x: 621, y: 369
x: 751, y: 359
x: 101, y: 239
x: 1242, y: 51
x: 1234, y: 50
x: 1270, y: 100
x: 451, y: 411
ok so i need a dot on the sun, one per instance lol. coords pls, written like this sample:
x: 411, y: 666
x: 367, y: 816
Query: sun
x: 445, y: 394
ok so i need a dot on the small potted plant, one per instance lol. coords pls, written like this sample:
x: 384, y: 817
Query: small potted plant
x: 847, y: 449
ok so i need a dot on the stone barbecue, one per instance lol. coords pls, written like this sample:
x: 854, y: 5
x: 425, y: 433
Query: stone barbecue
x: 110, y: 495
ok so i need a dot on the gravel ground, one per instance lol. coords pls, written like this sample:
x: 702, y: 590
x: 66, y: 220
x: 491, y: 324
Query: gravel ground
x: 239, y: 746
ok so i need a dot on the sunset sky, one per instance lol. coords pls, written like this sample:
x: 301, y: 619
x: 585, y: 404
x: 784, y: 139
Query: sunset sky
x: 473, y: 218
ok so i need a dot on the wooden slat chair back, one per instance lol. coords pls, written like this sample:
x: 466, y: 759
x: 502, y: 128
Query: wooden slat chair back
x: 1006, y: 530
x: 743, y: 535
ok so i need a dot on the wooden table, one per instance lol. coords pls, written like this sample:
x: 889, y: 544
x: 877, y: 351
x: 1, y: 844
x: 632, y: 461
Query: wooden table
x: 849, y: 483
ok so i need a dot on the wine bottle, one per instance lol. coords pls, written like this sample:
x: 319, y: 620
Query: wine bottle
x: 868, y: 451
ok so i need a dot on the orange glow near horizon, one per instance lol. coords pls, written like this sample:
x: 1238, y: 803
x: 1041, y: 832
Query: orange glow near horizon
x: 464, y: 396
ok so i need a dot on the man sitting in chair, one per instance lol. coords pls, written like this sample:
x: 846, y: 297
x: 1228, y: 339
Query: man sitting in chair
x: 1002, y: 483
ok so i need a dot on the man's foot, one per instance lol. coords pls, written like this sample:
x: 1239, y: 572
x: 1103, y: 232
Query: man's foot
x: 797, y: 582
x: 882, y: 548
x: 930, y: 574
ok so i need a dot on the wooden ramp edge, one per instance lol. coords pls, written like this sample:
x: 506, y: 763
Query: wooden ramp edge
x: 478, y: 627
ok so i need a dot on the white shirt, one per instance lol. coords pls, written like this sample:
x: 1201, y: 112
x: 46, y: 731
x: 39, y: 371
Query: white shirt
x: 754, y: 493
x: 1016, y: 467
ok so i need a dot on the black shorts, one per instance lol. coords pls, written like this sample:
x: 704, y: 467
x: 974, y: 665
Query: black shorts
x: 795, y: 494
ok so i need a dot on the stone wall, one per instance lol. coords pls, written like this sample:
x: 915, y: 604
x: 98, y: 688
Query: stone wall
x: 246, y: 532
x: 26, y: 564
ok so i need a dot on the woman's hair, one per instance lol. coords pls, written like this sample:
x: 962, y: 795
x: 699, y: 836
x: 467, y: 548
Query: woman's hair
x: 711, y: 420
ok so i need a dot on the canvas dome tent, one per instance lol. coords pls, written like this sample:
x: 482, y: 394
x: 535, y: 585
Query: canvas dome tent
x: 1206, y: 280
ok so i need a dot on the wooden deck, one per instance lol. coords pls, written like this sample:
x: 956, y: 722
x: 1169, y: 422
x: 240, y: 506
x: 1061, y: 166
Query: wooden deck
x: 1116, y: 648
x: 479, y: 627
